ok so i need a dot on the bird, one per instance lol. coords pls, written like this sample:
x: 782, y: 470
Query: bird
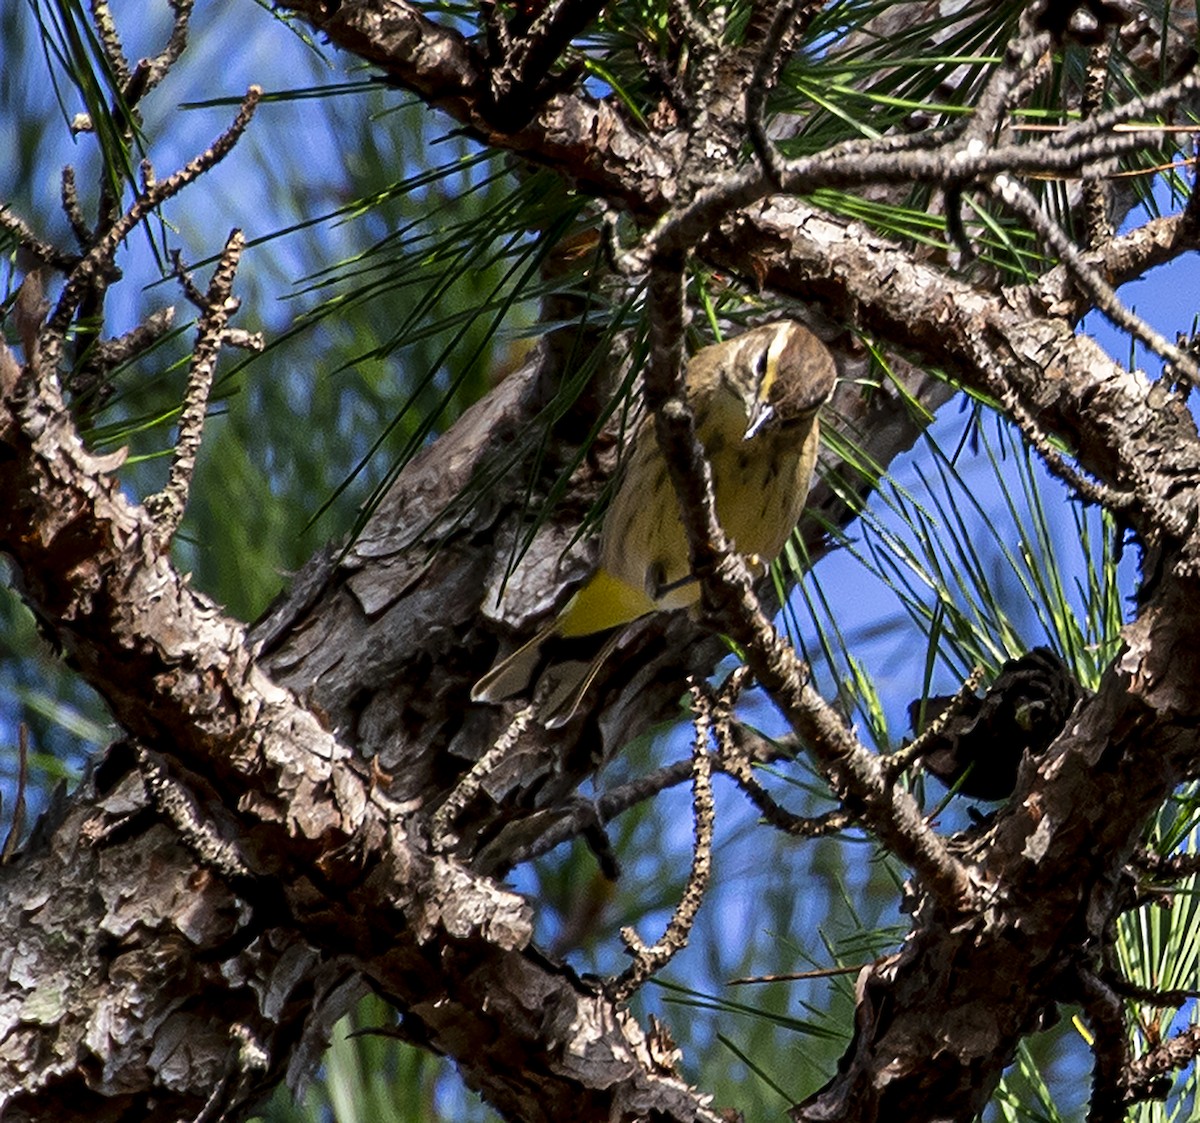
x: 755, y: 399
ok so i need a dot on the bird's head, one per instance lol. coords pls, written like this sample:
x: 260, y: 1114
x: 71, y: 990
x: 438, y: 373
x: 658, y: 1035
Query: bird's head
x: 782, y: 372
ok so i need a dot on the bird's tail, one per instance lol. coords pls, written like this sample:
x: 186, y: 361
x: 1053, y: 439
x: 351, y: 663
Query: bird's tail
x: 512, y: 674
x: 561, y: 686
x: 570, y: 682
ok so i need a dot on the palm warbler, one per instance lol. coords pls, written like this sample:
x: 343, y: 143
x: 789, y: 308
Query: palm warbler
x: 755, y: 400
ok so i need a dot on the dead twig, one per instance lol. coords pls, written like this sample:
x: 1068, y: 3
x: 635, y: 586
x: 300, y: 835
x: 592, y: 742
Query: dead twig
x: 649, y: 959
x: 167, y: 506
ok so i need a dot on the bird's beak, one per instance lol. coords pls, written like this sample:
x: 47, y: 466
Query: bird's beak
x: 760, y: 416
x: 762, y: 412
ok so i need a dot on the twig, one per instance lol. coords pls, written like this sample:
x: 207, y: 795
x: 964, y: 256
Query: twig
x: 615, y: 802
x: 1152, y: 996
x: 897, y: 762
x: 498, y: 39
x: 167, y: 506
x: 110, y: 353
x: 766, y: 71
x: 194, y: 296
x: 674, y: 422
x: 954, y: 158
x: 133, y: 85
x: 1147, y: 1077
x: 441, y: 825
x: 160, y: 65
x: 72, y: 209
x: 708, y: 130
x: 1110, y: 1047
x: 110, y: 40
x: 1025, y: 61
x: 1095, y: 188
x: 179, y: 806
x: 105, y: 355
x: 728, y: 598
x: 1172, y: 867
x: 697, y: 32
x: 243, y: 340
x: 1007, y: 82
x: 521, y: 76
x: 99, y: 257
x: 798, y: 826
x: 647, y: 960
x: 1127, y: 256
x: 734, y: 760
x: 22, y: 233
x: 1090, y: 490
x: 17, y: 827
x: 599, y: 812
x: 1018, y: 197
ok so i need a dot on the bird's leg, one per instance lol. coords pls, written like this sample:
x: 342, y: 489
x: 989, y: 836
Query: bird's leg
x: 657, y: 585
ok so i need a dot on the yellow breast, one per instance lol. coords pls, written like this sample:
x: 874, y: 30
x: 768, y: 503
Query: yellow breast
x: 760, y: 486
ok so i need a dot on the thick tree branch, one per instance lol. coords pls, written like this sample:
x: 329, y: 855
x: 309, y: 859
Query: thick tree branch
x: 345, y: 871
x: 1126, y: 431
x: 587, y: 139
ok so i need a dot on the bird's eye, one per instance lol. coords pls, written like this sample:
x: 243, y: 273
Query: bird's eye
x: 760, y: 366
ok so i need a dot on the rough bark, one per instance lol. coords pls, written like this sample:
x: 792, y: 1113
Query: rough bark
x: 231, y: 877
